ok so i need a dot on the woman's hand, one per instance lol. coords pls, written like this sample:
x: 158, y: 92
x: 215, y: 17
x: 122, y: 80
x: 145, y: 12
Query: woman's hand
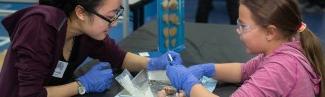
x: 161, y: 62
x: 98, y: 79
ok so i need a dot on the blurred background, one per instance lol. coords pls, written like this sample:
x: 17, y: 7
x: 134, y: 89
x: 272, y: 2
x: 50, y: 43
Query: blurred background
x: 143, y: 11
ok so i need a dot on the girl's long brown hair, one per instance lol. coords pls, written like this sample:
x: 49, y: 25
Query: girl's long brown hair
x: 285, y: 15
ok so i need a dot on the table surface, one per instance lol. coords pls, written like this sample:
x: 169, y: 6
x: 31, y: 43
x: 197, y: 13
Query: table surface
x: 204, y: 43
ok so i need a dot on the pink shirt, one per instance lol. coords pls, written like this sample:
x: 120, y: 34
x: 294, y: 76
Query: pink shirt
x: 284, y: 73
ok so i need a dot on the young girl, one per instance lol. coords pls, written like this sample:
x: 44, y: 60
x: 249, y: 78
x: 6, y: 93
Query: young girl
x: 49, y: 41
x: 289, y: 61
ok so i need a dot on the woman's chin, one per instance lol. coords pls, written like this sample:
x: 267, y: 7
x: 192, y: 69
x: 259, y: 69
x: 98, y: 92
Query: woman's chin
x: 101, y: 37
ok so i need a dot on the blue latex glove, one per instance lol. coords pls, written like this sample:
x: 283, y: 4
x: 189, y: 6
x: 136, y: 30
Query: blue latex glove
x: 161, y: 62
x: 181, y: 78
x: 201, y: 70
x: 97, y: 79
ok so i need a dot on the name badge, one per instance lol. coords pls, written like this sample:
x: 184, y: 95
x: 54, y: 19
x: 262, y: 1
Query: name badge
x: 60, y: 69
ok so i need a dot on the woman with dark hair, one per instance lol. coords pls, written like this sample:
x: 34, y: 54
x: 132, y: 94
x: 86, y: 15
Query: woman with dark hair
x: 51, y: 39
x: 289, y: 61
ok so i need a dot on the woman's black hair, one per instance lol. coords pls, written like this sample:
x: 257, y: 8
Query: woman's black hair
x: 68, y: 6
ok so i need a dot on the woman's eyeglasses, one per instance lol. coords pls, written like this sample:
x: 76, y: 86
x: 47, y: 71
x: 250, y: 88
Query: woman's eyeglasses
x: 118, y: 13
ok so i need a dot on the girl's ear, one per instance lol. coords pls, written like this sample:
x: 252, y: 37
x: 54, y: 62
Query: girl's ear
x: 80, y: 12
x: 271, y: 32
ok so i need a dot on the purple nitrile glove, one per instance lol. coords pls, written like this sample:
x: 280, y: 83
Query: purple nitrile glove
x: 97, y: 79
x: 181, y: 78
x: 160, y: 63
x: 201, y: 70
